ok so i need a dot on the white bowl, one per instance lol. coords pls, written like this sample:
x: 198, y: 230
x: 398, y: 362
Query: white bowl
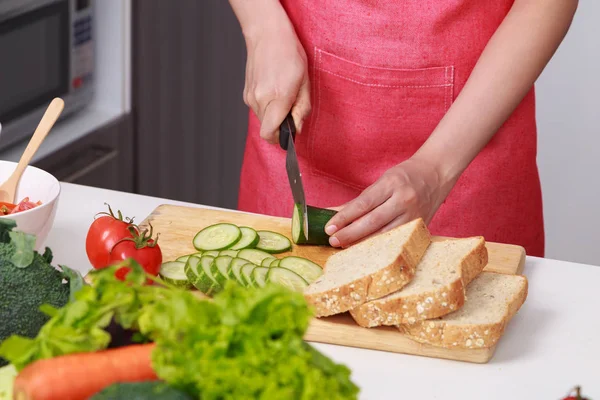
x: 38, y: 185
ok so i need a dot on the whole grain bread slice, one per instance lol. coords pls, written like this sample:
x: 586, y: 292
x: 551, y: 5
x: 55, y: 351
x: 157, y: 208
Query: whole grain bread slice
x: 437, y: 289
x: 370, y: 269
x: 492, y: 300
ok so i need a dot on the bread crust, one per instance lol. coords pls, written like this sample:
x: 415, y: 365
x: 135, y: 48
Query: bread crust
x: 426, y: 305
x: 381, y: 283
x: 440, y: 333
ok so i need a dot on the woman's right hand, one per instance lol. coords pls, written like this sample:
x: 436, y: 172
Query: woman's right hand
x: 276, y: 78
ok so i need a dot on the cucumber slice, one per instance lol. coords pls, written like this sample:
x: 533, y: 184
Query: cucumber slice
x: 183, y: 259
x: 248, y: 241
x: 259, y: 276
x: 287, y: 278
x: 217, y: 237
x: 191, y: 269
x: 173, y: 272
x: 206, y: 282
x: 253, y: 255
x: 247, y: 274
x: 275, y: 263
x: 267, y: 261
x: 303, y: 267
x: 212, y: 253
x: 235, y: 270
x: 230, y: 253
x: 220, y: 269
x: 273, y: 242
x: 317, y: 219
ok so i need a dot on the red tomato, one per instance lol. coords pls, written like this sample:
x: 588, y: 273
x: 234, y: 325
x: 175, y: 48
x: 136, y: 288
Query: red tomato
x: 143, y: 249
x: 104, y: 233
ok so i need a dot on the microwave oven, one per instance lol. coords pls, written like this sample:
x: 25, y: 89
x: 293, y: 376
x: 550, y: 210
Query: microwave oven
x: 46, y: 51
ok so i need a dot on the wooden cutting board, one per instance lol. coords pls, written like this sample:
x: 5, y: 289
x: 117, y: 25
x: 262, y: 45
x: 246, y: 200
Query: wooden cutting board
x: 177, y: 226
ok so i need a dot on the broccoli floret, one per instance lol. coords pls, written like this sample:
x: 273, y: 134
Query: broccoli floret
x: 24, y: 290
x: 150, y: 390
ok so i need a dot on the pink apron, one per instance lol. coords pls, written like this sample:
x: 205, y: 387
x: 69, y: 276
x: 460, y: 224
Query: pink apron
x: 383, y: 73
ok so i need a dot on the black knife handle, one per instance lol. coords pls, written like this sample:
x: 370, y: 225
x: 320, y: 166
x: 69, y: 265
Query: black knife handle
x: 284, y: 131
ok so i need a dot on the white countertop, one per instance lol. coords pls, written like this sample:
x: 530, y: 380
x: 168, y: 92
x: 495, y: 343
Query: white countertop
x: 551, y: 345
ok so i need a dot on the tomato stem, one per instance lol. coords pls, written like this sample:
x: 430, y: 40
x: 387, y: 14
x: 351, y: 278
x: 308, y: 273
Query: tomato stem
x: 119, y: 215
x: 140, y: 238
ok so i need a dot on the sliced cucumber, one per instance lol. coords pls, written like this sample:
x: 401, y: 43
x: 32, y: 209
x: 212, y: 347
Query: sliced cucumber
x: 191, y: 269
x: 235, y: 270
x: 206, y: 282
x: 249, y: 239
x: 303, y: 267
x: 253, y: 255
x: 259, y: 276
x: 217, y: 237
x: 275, y: 263
x: 247, y: 274
x: 287, y: 278
x: 230, y: 253
x: 212, y: 253
x: 273, y: 242
x: 173, y: 272
x: 267, y: 261
x: 183, y: 259
x: 317, y: 219
x: 220, y: 269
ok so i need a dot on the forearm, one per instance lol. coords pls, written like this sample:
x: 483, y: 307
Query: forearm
x: 256, y: 16
x: 506, y: 70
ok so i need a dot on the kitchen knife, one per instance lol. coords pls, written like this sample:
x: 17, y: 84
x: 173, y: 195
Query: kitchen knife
x: 287, y: 135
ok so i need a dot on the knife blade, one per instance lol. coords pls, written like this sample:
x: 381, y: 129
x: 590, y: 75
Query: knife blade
x: 287, y: 135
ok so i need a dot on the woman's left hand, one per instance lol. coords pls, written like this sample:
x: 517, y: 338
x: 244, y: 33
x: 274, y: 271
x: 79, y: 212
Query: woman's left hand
x: 405, y: 192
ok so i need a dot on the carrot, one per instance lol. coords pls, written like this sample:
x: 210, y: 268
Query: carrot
x: 79, y: 376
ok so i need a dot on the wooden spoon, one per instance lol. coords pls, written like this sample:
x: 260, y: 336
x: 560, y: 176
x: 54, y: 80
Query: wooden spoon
x: 8, y: 189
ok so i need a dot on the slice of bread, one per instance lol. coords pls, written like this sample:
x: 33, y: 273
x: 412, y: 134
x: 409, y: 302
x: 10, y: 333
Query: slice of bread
x: 370, y: 269
x: 492, y: 300
x: 437, y: 289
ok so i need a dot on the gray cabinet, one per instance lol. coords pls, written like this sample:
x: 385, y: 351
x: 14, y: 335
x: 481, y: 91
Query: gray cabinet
x: 104, y: 158
x: 190, y: 120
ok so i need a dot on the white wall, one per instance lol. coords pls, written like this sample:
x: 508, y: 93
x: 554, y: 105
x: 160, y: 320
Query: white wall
x: 568, y: 111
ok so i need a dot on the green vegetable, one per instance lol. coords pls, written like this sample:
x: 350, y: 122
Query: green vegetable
x: 152, y: 390
x: 317, y: 219
x: 247, y: 343
x: 27, y: 282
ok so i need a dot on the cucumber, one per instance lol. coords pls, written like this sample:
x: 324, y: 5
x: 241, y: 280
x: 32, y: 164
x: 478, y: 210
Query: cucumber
x: 183, y: 259
x: 191, y: 269
x: 212, y: 253
x: 247, y: 274
x: 253, y: 255
x: 259, y: 276
x: 230, y: 253
x: 249, y: 239
x: 287, y: 278
x: 217, y: 237
x: 235, y: 270
x: 317, y: 219
x: 267, y: 261
x: 303, y: 267
x: 275, y: 263
x: 273, y: 242
x: 220, y: 269
x: 173, y: 272
x: 206, y: 282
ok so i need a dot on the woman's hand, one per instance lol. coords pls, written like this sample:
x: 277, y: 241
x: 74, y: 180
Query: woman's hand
x: 276, y: 78
x: 407, y: 191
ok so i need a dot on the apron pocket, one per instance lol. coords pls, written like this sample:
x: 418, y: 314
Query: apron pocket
x: 367, y: 119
